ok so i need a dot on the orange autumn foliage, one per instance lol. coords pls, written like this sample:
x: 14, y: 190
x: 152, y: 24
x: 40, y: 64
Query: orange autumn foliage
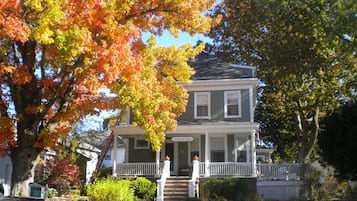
x: 56, y: 55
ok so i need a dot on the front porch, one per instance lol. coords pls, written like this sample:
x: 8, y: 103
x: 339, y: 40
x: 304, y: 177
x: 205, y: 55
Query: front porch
x: 224, y: 150
x: 199, y: 170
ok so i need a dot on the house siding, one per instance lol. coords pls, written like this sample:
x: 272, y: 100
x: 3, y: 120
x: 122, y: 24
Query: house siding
x: 139, y: 155
x: 217, y: 108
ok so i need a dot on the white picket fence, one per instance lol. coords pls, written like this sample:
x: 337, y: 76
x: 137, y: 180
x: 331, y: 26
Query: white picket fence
x: 284, y: 171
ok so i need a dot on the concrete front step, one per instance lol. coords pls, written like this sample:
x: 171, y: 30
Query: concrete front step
x: 175, y: 198
x: 176, y: 188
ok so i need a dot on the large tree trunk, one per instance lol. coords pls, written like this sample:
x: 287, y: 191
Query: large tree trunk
x: 24, y: 162
x: 24, y: 158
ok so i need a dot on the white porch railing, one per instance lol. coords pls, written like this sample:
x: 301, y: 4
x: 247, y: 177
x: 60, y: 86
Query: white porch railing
x: 161, y: 183
x: 137, y: 169
x: 227, y: 169
x: 193, y: 185
x: 287, y: 171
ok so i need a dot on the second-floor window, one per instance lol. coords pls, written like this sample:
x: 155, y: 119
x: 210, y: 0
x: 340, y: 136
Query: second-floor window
x: 202, y: 105
x: 232, y: 104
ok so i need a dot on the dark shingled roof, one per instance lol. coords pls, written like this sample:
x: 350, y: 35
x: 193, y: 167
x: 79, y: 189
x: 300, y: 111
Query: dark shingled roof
x: 209, y: 67
x: 98, y: 138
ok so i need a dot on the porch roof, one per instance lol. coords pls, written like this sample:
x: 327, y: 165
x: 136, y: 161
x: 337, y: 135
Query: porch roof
x: 130, y: 130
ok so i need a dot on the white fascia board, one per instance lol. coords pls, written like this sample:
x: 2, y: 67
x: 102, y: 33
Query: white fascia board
x: 192, y: 129
x: 225, y: 84
x: 243, y: 66
x: 215, y: 128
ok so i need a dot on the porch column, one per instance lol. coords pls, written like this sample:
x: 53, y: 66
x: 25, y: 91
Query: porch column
x: 157, y: 163
x: 253, y: 153
x: 207, y: 155
x: 115, y: 150
x: 126, y: 150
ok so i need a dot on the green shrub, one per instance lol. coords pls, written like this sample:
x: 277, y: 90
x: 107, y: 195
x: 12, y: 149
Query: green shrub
x: 320, y: 186
x: 213, y: 189
x: 110, y: 190
x: 52, y: 192
x: 144, y: 188
x: 227, y: 189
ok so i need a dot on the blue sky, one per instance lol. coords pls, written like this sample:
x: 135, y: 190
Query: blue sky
x: 167, y: 39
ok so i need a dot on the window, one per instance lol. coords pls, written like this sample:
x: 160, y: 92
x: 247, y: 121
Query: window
x: 241, y: 156
x: 217, y: 149
x: 108, y: 156
x: 241, y: 149
x: 202, y: 105
x: 232, y: 106
x: 141, y: 144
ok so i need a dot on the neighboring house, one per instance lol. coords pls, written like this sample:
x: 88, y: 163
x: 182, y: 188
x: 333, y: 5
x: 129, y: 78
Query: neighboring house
x: 109, y: 156
x: 218, y: 126
x: 264, y: 154
x: 98, y: 139
x: 5, y: 175
x: 87, y: 160
x: 89, y: 146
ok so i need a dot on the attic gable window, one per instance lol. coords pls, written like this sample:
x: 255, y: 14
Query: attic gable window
x: 202, y: 105
x: 232, y: 104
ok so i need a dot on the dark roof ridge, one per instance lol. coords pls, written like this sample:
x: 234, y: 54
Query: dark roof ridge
x: 210, y: 67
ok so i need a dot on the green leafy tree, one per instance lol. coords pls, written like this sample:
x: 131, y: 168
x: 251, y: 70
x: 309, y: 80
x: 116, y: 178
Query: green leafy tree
x: 305, y: 52
x: 338, y: 140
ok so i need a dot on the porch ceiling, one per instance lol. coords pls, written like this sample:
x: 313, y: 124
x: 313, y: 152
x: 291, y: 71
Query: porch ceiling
x: 129, y: 130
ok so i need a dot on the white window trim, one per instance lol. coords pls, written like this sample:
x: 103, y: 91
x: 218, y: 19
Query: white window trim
x: 239, y: 105
x: 135, y: 144
x: 209, y: 105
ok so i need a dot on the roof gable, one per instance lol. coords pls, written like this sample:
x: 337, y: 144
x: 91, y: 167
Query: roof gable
x: 209, y: 67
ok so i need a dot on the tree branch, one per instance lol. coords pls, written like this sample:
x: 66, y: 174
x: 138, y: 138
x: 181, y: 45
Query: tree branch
x: 16, y: 58
x: 63, y: 97
x: 149, y: 10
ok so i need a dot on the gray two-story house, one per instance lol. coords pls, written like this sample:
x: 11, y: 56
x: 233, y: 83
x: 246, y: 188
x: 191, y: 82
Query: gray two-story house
x: 217, y: 129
